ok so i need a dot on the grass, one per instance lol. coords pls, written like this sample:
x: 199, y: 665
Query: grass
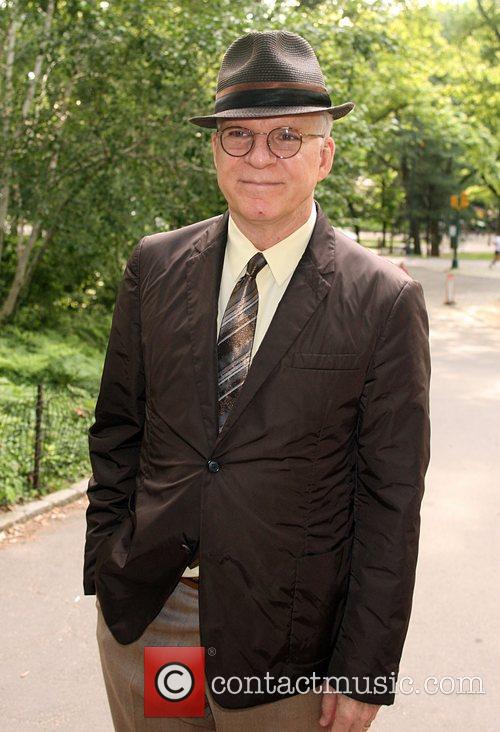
x: 470, y: 256
x: 64, y: 419
x: 398, y: 251
x: 67, y: 359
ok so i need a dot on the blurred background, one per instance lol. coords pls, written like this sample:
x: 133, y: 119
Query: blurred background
x: 96, y: 152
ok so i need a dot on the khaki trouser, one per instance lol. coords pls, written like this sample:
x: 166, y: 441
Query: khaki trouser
x: 177, y: 625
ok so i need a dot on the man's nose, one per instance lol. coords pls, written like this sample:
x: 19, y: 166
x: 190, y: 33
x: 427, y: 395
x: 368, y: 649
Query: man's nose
x: 260, y: 155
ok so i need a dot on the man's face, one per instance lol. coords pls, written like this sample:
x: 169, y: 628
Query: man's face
x: 259, y: 187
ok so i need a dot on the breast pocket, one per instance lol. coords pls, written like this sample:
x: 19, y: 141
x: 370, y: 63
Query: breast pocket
x: 326, y: 361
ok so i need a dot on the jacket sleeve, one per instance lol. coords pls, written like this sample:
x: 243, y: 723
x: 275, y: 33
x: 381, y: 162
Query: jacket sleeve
x: 393, y: 451
x: 116, y: 434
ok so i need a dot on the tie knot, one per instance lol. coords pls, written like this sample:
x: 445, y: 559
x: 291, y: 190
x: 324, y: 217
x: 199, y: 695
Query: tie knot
x: 255, y: 264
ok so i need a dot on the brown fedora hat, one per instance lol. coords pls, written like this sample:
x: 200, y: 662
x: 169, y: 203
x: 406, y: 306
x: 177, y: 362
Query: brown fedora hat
x: 269, y: 74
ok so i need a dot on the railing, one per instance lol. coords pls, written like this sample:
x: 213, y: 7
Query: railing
x: 43, y: 442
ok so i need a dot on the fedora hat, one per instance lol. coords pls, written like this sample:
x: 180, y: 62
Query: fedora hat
x: 269, y: 74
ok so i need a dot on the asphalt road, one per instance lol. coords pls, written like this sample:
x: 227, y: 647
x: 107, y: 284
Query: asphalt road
x: 49, y: 668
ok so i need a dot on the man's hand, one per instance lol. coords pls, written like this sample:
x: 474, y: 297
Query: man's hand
x: 340, y: 713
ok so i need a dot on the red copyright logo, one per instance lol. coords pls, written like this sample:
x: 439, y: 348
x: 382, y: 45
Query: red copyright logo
x: 174, y: 681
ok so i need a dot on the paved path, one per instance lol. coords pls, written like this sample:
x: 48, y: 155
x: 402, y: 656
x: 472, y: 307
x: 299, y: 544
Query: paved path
x: 454, y: 629
x: 49, y: 666
x: 49, y: 670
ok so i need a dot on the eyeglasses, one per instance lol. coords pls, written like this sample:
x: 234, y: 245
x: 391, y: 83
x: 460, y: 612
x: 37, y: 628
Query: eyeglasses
x: 284, y: 142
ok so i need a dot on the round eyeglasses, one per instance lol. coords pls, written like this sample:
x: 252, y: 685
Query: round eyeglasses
x: 284, y: 142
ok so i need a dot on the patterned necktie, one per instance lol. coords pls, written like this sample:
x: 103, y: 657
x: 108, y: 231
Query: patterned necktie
x: 234, y: 346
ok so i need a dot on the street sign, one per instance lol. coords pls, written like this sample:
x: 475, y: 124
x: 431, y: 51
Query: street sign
x: 459, y: 202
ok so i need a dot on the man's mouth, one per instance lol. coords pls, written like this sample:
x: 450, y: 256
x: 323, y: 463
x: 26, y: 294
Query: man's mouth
x: 260, y: 183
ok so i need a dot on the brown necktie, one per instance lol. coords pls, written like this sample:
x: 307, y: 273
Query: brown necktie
x: 234, y: 346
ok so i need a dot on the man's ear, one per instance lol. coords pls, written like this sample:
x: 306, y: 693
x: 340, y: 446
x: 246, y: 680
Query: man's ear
x: 327, y: 155
x: 333, y: 151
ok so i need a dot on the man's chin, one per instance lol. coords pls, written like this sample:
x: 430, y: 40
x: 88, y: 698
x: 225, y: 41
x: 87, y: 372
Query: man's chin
x: 258, y: 211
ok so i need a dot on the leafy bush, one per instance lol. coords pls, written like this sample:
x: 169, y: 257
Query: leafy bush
x: 68, y: 362
x: 66, y: 417
x: 54, y: 359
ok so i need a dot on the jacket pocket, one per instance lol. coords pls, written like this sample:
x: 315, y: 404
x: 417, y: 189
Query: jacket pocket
x: 318, y: 604
x: 328, y: 361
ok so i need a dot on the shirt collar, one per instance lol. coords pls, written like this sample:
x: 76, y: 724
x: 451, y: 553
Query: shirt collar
x: 282, y: 257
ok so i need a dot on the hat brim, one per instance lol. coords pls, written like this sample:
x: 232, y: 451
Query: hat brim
x: 210, y: 120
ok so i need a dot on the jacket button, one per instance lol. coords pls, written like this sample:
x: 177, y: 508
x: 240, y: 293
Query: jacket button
x: 213, y: 466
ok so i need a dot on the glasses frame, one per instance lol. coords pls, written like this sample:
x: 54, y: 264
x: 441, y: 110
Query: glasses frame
x: 267, y: 134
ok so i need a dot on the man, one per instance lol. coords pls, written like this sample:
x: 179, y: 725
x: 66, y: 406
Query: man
x: 262, y: 431
x: 496, y: 254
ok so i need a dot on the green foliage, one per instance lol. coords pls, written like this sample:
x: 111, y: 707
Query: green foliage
x: 52, y: 358
x: 68, y: 362
x: 66, y: 416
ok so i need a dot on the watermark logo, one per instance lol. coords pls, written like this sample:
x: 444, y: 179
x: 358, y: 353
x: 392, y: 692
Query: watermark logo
x: 174, y: 681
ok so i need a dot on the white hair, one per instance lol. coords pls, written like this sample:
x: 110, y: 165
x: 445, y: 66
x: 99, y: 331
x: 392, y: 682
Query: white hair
x: 328, y: 118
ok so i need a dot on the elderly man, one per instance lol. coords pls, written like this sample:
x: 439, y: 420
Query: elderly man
x: 262, y: 433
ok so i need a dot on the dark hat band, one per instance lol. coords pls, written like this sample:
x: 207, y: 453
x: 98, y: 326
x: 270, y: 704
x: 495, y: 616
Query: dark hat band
x: 272, y: 98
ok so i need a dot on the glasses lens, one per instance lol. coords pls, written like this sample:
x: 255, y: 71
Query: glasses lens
x: 284, y: 142
x: 236, y: 140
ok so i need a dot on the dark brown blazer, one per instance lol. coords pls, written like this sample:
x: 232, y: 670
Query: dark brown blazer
x: 305, y: 508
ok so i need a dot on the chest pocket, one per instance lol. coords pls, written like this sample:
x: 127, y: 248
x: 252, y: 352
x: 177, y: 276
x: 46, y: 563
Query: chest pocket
x: 326, y: 361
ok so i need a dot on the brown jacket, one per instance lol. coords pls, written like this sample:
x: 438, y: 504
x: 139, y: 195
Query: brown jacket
x: 305, y: 508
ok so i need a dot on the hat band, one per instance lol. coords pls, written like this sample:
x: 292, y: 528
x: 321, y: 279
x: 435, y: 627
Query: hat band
x: 272, y: 98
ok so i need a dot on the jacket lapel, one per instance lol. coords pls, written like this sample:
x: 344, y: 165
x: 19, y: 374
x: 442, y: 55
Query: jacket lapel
x: 203, y: 276
x: 309, y: 284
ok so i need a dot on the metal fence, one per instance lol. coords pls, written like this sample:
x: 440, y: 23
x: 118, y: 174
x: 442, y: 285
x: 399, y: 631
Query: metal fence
x: 43, y: 442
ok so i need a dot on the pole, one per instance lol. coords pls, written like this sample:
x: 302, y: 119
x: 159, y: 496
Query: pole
x: 449, y: 289
x: 454, y: 234
x: 38, y: 437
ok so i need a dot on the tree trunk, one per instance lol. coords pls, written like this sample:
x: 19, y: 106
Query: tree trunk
x: 357, y: 230
x: 435, y: 238
x: 415, y: 234
x: 37, y: 257
x: 6, y: 126
x: 24, y: 250
x: 10, y: 136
